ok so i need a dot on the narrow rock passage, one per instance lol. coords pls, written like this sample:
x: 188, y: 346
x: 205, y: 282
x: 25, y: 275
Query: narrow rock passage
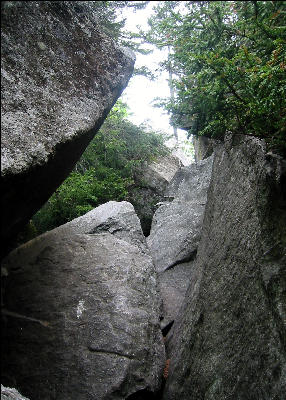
x: 175, y: 234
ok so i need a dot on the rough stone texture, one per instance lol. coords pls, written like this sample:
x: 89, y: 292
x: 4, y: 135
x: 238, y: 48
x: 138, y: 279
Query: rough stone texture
x: 60, y: 78
x: 173, y: 285
x: 117, y: 218
x: 151, y: 182
x: 176, y: 225
x: 159, y: 173
x: 204, y: 147
x: 144, y: 200
x: 175, y: 235
x: 87, y: 302
x: 11, y: 394
x: 183, y: 157
x: 229, y: 342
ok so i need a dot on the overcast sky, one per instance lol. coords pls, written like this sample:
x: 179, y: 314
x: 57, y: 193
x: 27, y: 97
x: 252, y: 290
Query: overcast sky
x: 141, y: 91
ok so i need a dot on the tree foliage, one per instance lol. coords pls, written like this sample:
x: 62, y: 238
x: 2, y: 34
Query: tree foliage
x: 110, y: 18
x: 105, y: 171
x: 229, y: 60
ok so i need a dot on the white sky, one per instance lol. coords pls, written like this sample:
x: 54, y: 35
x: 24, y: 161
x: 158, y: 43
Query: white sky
x: 140, y: 91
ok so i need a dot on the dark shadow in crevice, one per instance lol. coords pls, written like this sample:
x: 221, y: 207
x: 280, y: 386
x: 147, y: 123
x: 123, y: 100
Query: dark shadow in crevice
x: 143, y: 394
x: 167, y: 328
x: 188, y: 258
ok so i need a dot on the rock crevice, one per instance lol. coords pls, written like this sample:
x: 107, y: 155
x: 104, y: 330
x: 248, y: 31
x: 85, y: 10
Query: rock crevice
x: 95, y: 310
x: 123, y: 320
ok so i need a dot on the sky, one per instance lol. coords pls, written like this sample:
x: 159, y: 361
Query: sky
x: 140, y: 91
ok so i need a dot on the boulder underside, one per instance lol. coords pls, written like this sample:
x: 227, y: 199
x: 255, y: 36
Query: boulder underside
x: 60, y: 77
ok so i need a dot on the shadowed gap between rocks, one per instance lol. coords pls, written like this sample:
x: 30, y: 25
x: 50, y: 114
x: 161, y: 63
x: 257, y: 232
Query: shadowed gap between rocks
x: 167, y: 329
x: 59, y: 166
x: 188, y: 258
x: 145, y: 394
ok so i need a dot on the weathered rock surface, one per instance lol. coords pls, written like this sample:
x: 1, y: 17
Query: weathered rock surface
x: 82, y: 311
x: 229, y: 342
x: 204, y: 147
x: 150, y: 184
x: 175, y: 234
x: 182, y: 156
x: 176, y: 226
x: 173, y: 285
x: 60, y: 78
x: 159, y: 173
x: 11, y: 394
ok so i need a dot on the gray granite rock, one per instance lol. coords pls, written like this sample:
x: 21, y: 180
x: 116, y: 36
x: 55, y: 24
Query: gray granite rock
x: 82, y: 311
x: 159, y: 173
x: 204, y: 147
x: 229, y: 340
x: 60, y: 77
x: 151, y: 181
x: 117, y: 218
x: 173, y: 285
x: 11, y: 394
x: 176, y: 226
x: 175, y: 234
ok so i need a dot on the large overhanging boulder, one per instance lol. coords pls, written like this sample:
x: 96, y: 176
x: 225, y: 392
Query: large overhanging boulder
x: 60, y: 77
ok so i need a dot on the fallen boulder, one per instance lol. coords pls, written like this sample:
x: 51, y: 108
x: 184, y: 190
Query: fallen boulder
x: 175, y: 235
x: 60, y: 77
x: 81, y: 306
x: 150, y: 183
x: 176, y: 226
x: 229, y: 339
x: 173, y: 284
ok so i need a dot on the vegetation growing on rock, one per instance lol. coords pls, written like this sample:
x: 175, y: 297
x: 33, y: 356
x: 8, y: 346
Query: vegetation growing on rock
x: 105, y: 171
x: 229, y: 60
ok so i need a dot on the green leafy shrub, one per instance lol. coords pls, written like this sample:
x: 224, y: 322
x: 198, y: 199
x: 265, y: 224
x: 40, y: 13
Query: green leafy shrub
x: 105, y: 171
x: 229, y: 60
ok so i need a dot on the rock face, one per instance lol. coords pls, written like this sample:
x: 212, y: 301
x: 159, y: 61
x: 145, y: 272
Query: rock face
x: 159, y: 173
x: 11, y: 394
x: 173, y: 285
x: 175, y: 234
x: 229, y: 341
x: 176, y: 226
x: 82, y: 311
x: 150, y: 184
x: 60, y: 78
x: 204, y: 147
